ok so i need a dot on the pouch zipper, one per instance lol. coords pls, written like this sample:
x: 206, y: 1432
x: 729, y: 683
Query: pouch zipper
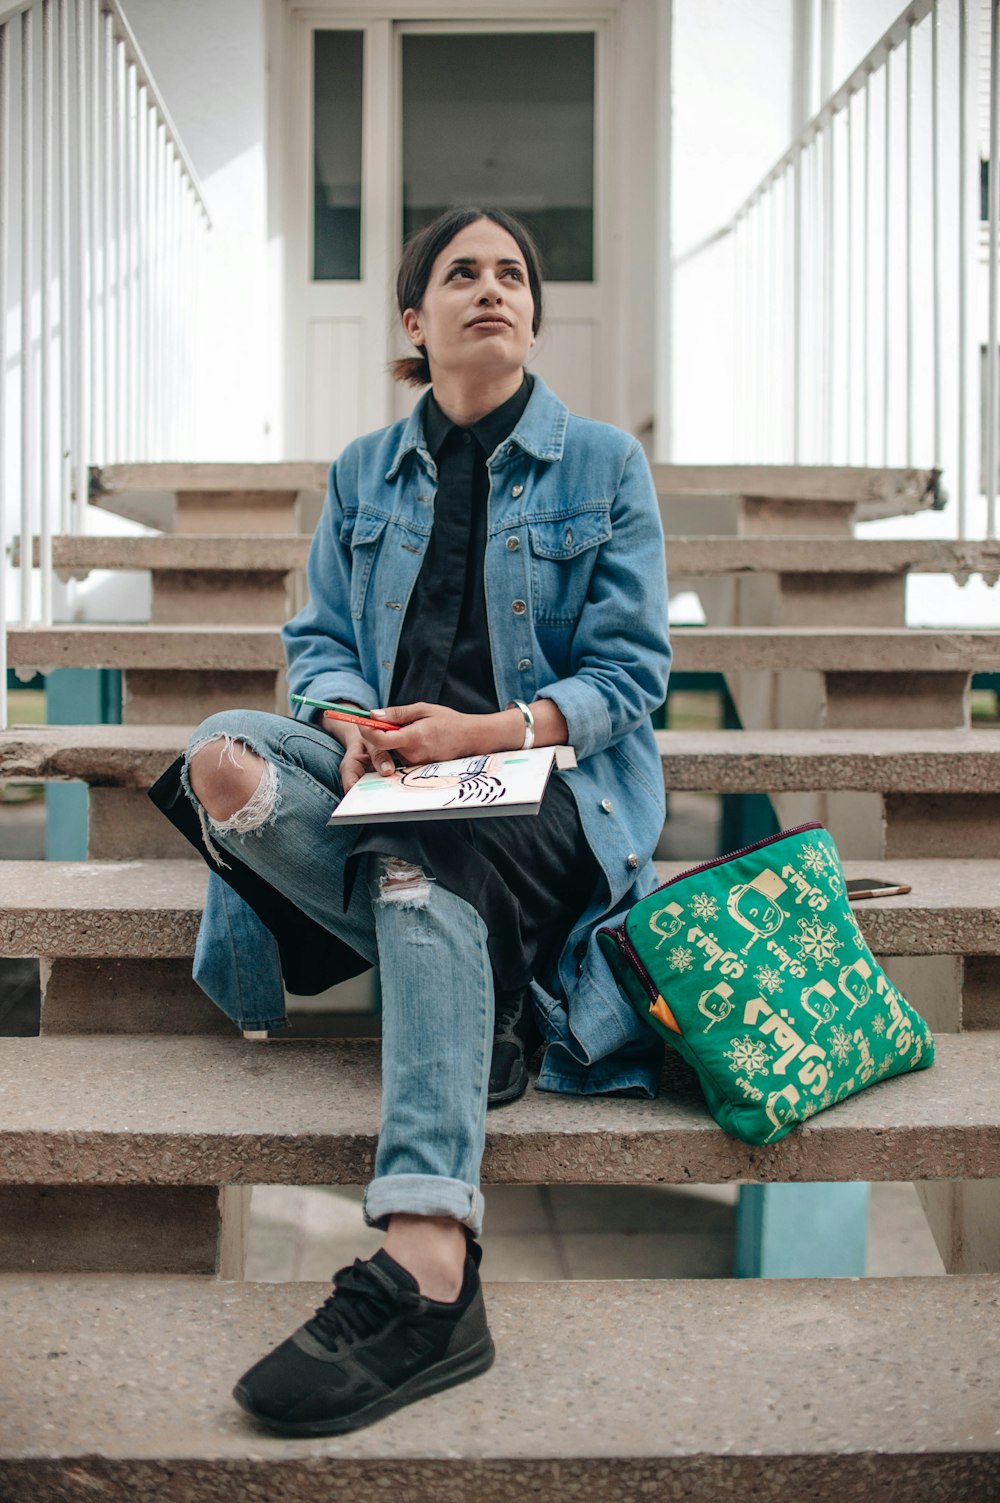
x: 626, y: 946
x: 813, y: 824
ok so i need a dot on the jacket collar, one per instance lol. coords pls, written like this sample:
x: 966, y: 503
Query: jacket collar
x: 540, y: 430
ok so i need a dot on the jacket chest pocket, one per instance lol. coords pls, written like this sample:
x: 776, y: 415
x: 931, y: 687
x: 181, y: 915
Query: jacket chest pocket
x: 563, y: 554
x: 363, y: 539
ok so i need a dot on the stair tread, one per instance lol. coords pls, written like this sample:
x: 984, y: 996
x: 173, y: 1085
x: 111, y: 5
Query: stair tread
x: 229, y: 552
x: 212, y: 1110
x: 599, y: 1387
x: 284, y: 475
x: 879, y: 491
x: 151, y: 907
x: 925, y: 761
x: 696, y: 648
x: 696, y: 555
x: 810, y: 555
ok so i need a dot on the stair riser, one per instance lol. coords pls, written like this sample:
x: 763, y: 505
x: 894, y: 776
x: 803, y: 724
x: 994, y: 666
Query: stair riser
x: 126, y: 996
x: 166, y: 696
x: 774, y: 1478
x: 184, y: 597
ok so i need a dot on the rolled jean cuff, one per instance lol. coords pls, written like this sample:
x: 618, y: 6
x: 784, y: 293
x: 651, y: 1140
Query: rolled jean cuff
x: 423, y: 1195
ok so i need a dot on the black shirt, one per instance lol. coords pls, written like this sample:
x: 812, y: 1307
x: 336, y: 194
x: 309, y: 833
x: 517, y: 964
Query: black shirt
x: 444, y: 648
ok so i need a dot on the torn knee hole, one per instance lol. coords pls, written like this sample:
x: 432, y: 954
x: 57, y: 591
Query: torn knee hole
x: 402, y: 883
x: 259, y: 807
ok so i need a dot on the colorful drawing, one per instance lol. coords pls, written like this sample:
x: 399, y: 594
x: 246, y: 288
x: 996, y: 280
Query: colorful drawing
x: 474, y: 784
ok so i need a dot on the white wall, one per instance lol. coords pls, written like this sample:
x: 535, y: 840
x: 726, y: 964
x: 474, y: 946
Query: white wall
x: 208, y: 58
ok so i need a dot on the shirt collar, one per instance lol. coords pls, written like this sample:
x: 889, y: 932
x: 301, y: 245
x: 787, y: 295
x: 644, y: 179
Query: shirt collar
x: 540, y: 430
x: 490, y: 430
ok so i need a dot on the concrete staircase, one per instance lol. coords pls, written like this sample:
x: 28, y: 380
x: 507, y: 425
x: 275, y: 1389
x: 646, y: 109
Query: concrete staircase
x: 133, y: 1128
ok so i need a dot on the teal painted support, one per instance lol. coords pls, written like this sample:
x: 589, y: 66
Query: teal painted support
x: 802, y: 1231
x: 76, y: 696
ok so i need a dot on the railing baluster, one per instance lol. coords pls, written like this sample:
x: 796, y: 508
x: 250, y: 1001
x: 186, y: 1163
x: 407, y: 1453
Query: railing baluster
x: 911, y: 295
x: 968, y: 188
x: 26, y: 466
x: 4, y: 224
x: 993, y: 352
x: 829, y: 287
x: 849, y: 317
x: 886, y: 260
x: 67, y: 322
x: 938, y: 293
x: 866, y: 280
x: 109, y: 256
x: 797, y: 320
x: 97, y: 395
x: 45, y: 342
x: 121, y: 253
x: 81, y: 382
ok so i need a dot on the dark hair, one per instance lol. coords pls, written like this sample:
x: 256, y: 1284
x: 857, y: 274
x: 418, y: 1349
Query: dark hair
x: 421, y: 251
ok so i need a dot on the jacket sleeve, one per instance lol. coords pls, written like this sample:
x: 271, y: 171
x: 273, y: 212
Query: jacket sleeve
x: 621, y: 646
x: 320, y: 643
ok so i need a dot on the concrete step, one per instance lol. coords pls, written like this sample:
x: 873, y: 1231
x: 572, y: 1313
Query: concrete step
x: 151, y: 908
x: 601, y: 1390
x: 696, y: 556
x: 696, y: 648
x: 209, y: 497
x: 221, y: 553
x: 959, y: 761
x: 875, y: 492
x: 144, y: 1109
x: 686, y: 556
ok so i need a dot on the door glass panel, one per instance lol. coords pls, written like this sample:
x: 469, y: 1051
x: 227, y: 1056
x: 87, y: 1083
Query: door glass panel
x: 505, y: 120
x: 338, y: 59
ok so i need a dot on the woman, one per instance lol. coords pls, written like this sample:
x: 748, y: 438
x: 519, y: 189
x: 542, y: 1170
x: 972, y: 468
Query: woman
x: 486, y: 575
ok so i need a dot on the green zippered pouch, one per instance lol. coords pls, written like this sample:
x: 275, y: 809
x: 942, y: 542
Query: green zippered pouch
x: 753, y: 968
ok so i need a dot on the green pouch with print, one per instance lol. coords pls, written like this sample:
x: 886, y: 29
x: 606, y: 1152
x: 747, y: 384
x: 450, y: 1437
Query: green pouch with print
x: 754, y: 969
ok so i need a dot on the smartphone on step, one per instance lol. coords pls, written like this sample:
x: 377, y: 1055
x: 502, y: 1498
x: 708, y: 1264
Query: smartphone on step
x: 875, y: 887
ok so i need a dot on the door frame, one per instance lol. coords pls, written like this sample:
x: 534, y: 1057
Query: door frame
x: 290, y: 23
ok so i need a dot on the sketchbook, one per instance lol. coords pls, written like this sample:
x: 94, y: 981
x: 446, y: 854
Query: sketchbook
x: 499, y: 783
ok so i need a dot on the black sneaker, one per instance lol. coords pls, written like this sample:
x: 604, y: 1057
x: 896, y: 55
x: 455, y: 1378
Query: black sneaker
x: 375, y: 1345
x: 516, y: 1037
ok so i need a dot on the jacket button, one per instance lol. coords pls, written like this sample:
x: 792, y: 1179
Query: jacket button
x: 524, y: 665
x: 513, y: 544
x: 632, y: 862
x: 518, y: 607
x: 516, y: 490
x: 607, y: 805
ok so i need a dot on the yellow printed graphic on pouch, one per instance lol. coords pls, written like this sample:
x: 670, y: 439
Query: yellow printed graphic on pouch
x: 777, y: 1026
x: 666, y: 922
x: 806, y: 892
x: 729, y: 962
x: 754, y: 906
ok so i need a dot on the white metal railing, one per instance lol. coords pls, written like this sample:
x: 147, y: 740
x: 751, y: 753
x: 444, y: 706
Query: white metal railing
x: 856, y: 257
x: 100, y: 278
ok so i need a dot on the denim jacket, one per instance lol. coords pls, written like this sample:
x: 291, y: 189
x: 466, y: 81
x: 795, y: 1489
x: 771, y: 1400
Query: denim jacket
x: 576, y: 600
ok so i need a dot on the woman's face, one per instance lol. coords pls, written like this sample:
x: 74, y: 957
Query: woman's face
x: 477, y: 309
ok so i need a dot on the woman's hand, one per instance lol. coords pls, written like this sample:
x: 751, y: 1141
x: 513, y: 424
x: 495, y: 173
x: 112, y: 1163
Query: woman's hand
x: 356, y: 760
x: 428, y: 733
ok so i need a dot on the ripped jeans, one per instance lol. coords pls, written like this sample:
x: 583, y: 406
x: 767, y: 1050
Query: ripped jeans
x: 431, y: 946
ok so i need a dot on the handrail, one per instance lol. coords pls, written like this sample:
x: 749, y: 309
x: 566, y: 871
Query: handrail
x: 836, y: 296
x: 110, y: 238
x: 893, y: 37
x: 145, y: 79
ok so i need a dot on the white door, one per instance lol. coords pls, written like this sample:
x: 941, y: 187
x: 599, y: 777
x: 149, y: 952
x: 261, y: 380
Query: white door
x: 391, y: 120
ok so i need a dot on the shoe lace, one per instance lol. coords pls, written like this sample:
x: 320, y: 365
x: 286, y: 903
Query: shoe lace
x: 360, y: 1303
